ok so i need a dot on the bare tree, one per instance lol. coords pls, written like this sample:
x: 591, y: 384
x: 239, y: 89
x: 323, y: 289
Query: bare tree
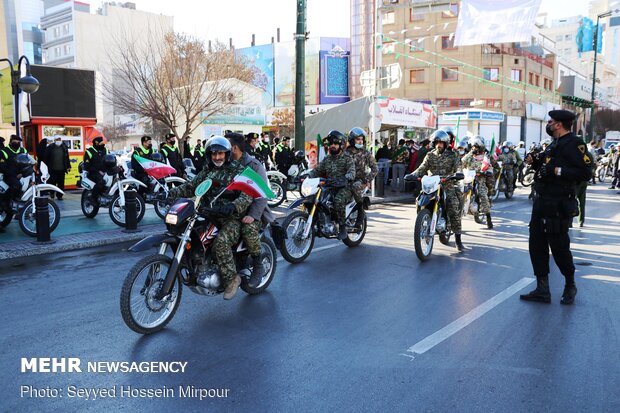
x: 176, y: 82
x: 284, y: 119
x: 114, y: 132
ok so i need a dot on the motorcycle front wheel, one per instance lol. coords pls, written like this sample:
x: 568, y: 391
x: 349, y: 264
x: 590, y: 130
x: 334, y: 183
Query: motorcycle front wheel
x: 601, y: 174
x: 528, y: 178
x: 28, y: 218
x: 142, y: 311
x: 422, y: 238
x: 295, y: 249
x: 277, y: 188
x: 90, y: 208
x: 269, y: 257
x: 117, y: 212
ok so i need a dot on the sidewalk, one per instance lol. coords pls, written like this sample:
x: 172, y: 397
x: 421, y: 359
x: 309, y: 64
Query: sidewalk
x: 77, y: 232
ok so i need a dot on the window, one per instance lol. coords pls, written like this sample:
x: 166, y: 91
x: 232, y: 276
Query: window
x: 447, y: 42
x: 494, y: 103
x: 516, y: 61
x: 515, y: 75
x: 65, y: 28
x: 454, y: 11
x: 416, y: 45
x: 537, y: 80
x: 531, y: 78
x: 388, y: 18
x: 449, y: 74
x: 568, y: 37
x: 67, y: 49
x: 56, y: 51
x: 389, y: 47
x: 491, y: 73
x: 416, y: 76
x: 548, y: 84
x: 56, y: 32
x: 414, y: 17
x: 558, y: 38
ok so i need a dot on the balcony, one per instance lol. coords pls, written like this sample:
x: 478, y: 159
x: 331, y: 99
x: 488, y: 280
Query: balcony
x: 492, y: 49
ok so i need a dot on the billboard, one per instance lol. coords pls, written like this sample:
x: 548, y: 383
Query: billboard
x: 334, y: 76
x: 284, y: 73
x: 261, y: 59
x: 63, y: 93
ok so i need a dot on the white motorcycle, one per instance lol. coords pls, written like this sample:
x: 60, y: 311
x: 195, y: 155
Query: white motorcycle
x: 23, y: 205
x: 112, y: 197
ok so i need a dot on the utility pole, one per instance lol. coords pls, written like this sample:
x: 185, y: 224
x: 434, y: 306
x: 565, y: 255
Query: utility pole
x: 300, y: 78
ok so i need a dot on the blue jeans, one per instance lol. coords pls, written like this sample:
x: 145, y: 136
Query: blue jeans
x: 383, y: 165
x: 398, y: 172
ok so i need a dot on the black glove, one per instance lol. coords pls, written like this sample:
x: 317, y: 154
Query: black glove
x: 547, y: 169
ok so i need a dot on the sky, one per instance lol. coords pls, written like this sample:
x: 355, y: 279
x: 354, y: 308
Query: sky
x: 239, y: 19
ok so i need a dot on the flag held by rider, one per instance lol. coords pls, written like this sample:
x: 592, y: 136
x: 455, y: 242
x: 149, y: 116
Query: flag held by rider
x: 155, y: 169
x: 252, y: 184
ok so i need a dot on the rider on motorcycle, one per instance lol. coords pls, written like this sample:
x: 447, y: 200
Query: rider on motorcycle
x: 222, y: 169
x: 338, y: 167
x: 478, y: 160
x: 93, y: 165
x: 441, y: 161
x: 145, y: 151
x: 9, y: 167
x: 510, y: 161
x: 365, y: 168
x: 462, y: 148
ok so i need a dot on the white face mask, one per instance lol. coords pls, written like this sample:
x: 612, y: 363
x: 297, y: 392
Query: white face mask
x: 58, y: 143
x: 359, y: 145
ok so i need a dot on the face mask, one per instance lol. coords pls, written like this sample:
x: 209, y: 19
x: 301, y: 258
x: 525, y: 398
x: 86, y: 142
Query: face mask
x: 14, y: 145
x: 549, y: 130
x: 359, y: 145
x: 171, y: 143
x: 506, y: 150
x: 461, y: 152
x: 58, y: 143
x: 266, y: 140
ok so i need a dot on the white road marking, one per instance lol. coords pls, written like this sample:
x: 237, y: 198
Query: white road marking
x: 327, y: 247
x: 454, y: 327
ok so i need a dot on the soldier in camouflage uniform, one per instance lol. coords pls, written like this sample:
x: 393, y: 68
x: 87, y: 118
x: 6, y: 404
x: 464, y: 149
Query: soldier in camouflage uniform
x: 221, y: 171
x: 337, y: 165
x: 258, y: 212
x: 479, y: 160
x: 441, y: 161
x: 510, y: 160
x: 365, y: 167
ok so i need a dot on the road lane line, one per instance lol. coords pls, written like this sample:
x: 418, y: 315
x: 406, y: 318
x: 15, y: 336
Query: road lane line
x: 327, y: 247
x: 454, y: 327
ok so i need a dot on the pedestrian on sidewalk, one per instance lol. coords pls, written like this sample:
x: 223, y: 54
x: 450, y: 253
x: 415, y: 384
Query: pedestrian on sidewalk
x: 400, y: 160
x: 57, y: 160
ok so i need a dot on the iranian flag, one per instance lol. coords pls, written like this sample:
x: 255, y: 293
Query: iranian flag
x: 494, y: 148
x: 485, y: 163
x: 155, y: 169
x: 252, y: 184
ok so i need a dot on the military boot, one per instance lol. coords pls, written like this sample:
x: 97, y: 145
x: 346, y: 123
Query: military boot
x: 258, y: 271
x: 342, y: 234
x: 232, y: 287
x: 570, y: 290
x: 489, y: 221
x: 541, y: 294
x: 459, y: 244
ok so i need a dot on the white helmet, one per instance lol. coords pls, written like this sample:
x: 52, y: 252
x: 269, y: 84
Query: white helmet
x: 477, y: 141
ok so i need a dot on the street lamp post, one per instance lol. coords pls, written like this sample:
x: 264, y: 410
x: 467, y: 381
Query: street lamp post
x: 28, y: 84
x: 598, y: 27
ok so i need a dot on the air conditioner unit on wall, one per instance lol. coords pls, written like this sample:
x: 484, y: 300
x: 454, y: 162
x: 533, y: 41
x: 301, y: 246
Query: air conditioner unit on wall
x: 515, y: 104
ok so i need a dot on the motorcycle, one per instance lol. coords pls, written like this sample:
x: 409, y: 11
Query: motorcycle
x: 158, y: 189
x: 603, y: 168
x: 316, y: 218
x: 280, y: 184
x: 113, y: 196
x: 151, y: 292
x: 470, y: 196
x: 432, y: 215
x: 190, y: 169
x: 23, y: 204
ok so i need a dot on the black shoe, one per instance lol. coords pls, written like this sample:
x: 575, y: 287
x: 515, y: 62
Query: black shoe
x: 258, y: 272
x: 342, y: 234
x: 568, y: 296
x: 59, y: 198
x: 489, y: 222
x: 459, y: 244
x: 612, y: 187
x: 541, y: 294
x: 581, y: 225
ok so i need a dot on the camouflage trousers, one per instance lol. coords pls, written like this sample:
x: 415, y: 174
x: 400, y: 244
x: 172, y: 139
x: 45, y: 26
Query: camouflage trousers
x: 484, y: 206
x: 454, y: 205
x: 250, y: 234
x: 341, y: 198
x: 357, y: 188
x: 227, y: 236
x: 489, y: 181
x: 510, y: 177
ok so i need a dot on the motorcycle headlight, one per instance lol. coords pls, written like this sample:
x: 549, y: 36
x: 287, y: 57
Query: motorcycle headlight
x: 306, y: 188
x: 172, y: 219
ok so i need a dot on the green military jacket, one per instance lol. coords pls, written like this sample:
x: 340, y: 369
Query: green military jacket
x: 336, y: 167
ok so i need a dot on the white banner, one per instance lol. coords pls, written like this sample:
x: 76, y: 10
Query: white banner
x: 492, y: 21
x: 406, y: 113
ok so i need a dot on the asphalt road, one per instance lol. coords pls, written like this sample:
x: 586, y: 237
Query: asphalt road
x: 362, y: 329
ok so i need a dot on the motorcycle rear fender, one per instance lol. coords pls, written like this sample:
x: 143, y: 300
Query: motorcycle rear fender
x: 174, y: 179
x: 276, y: 174
x: 41, y: 187
x: 152, y: 241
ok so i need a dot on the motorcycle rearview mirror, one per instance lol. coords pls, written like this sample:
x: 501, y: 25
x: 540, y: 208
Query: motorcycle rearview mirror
x: 459, y: 175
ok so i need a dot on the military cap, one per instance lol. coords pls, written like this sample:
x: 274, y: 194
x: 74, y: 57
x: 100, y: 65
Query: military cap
x: 145, y: 138
x: 562, y: 115
x: 169, y: 135
x: 252, y: 135
x: 98, y: 139
x: 286, y: 138
x: 15, y: 138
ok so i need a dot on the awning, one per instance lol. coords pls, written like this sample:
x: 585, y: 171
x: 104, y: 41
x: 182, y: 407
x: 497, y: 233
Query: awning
x: 90, y: 133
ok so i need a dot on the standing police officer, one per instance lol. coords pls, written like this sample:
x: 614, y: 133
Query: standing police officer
x: 559, y: 169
